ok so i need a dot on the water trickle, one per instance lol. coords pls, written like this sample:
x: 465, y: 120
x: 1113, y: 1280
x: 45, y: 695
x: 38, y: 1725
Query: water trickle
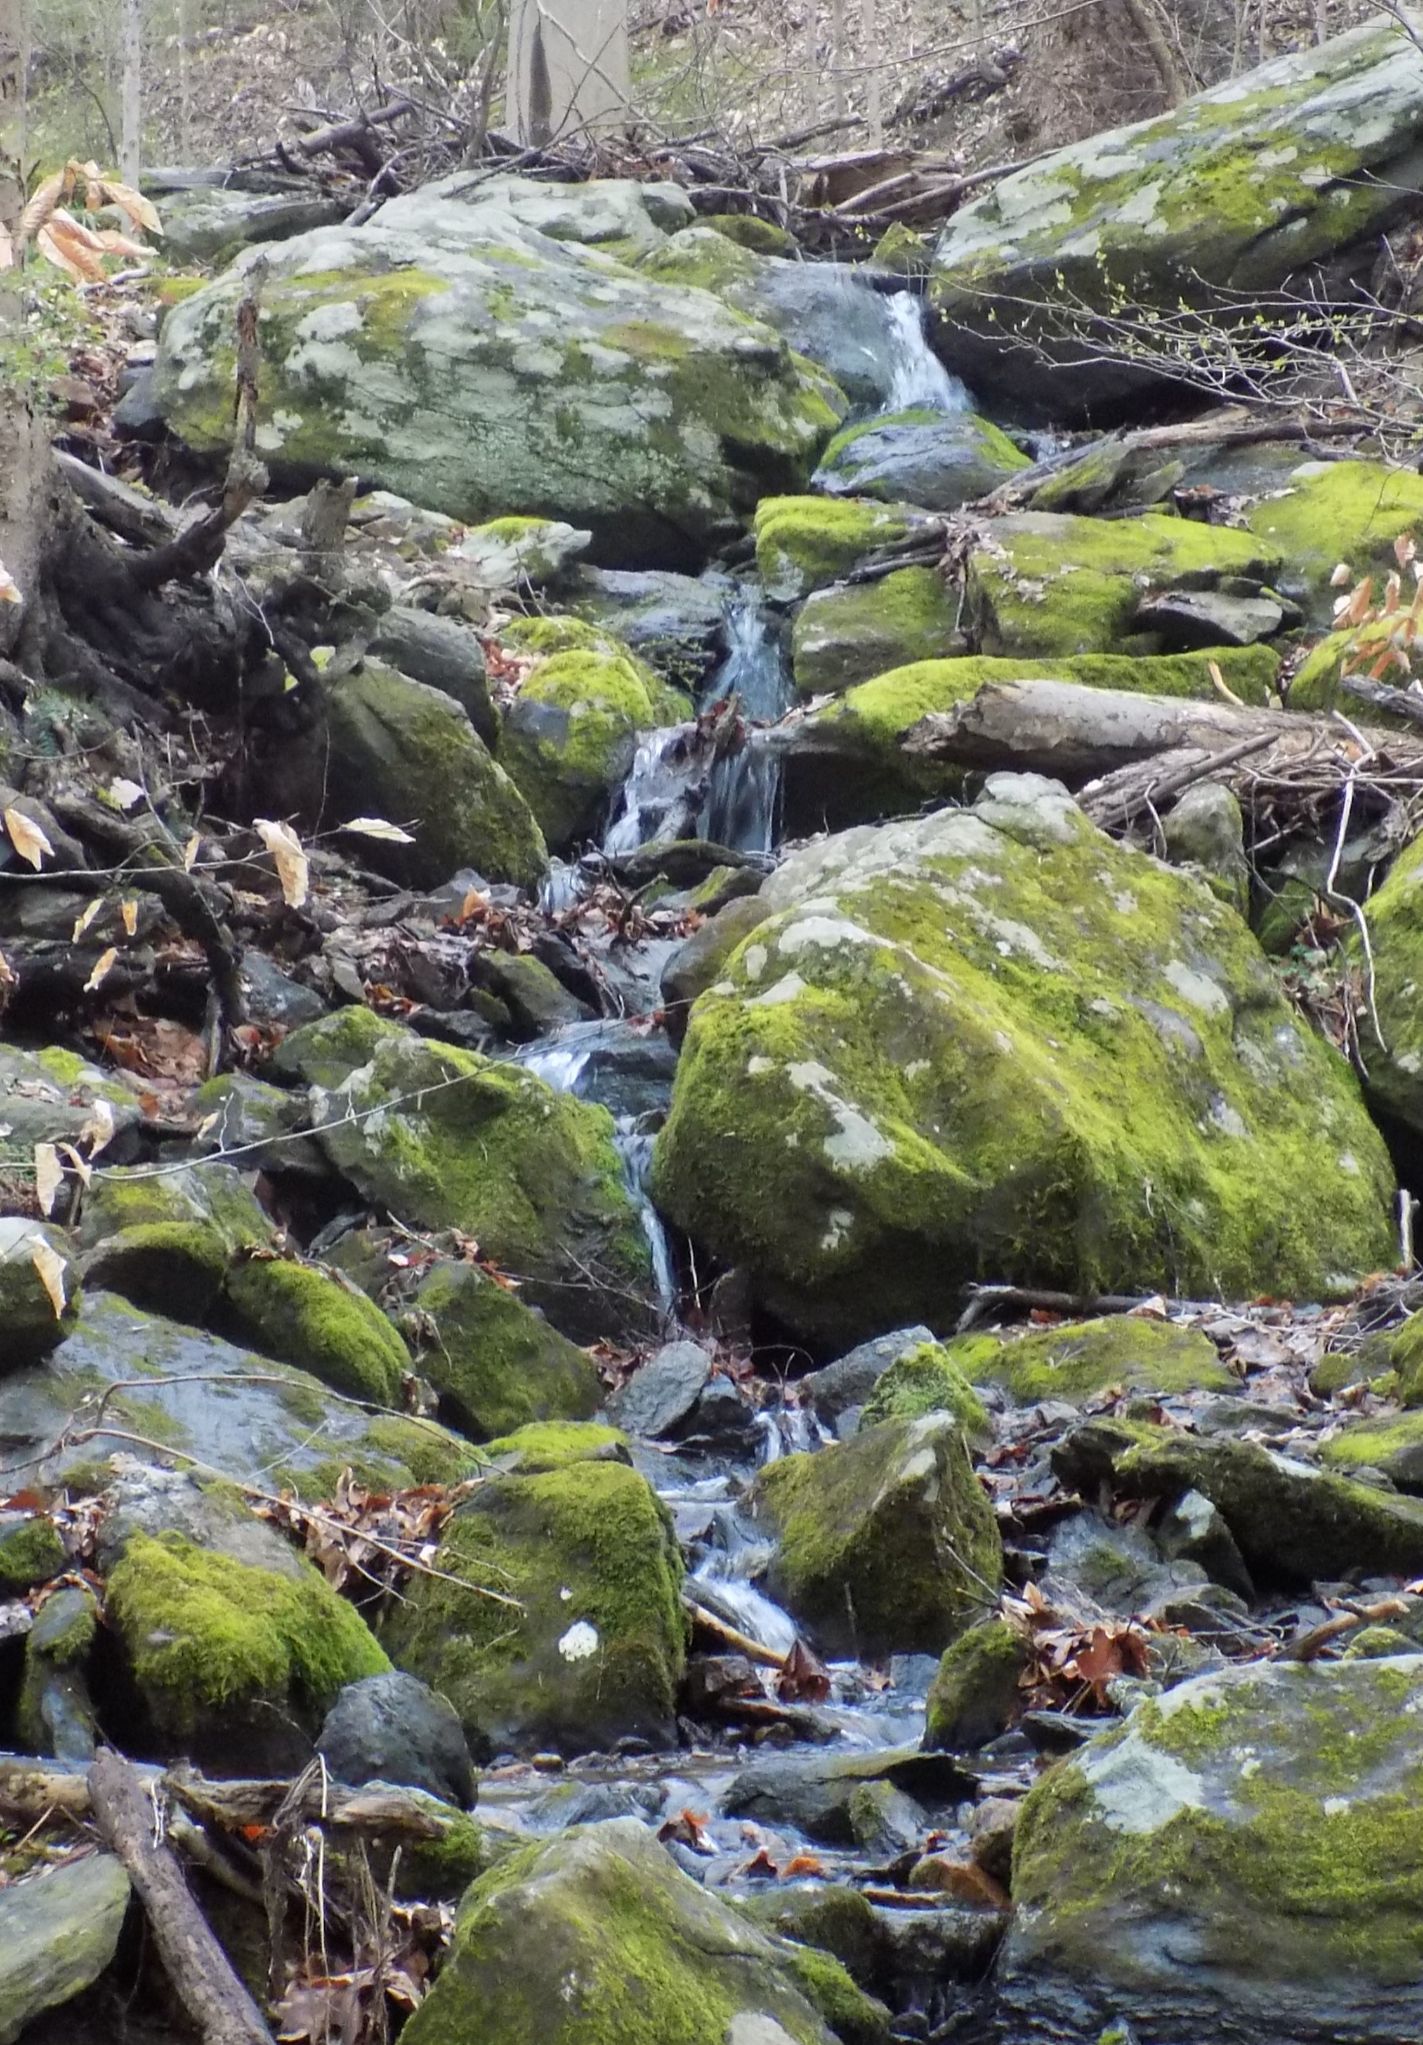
x: 741, y: 803
x: 635, y: 1148
x: 917, y: 376
x: 662, y: 794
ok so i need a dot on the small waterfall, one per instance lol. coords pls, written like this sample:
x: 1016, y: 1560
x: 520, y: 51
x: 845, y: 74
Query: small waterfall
x: 917, y: 376
x: 661, y: 796
x: 740, y: 809
x: 635, y: 1148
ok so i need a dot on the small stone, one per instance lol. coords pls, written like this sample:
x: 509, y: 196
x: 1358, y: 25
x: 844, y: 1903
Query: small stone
x: 394, y: 1728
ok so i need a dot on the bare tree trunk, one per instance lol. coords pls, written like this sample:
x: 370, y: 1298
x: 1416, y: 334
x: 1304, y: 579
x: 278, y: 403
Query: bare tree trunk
x: 1147, y: 23
x: 869, y: 54
x: 131, y: 69
x: 185, y: 81
x: 810, y: 61
x: 568, y: 69
x: 837, y: 56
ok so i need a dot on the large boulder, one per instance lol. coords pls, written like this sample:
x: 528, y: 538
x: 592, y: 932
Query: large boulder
x: 935, y: 459
x: 556, y: 1617
x: 445, y: 1138
x: 849, y: 634
x: 58, y: 1932
x: 1241, y: 1859
x: 495, y: 1364
x: 803, y: 543
x: 473, y: 348
x: 994, y: 1041
x: 597, y: 1934
x: 1328, y: 513
x: 1235, y: 191
x: 1394, y: 976
x: 886, y: 1544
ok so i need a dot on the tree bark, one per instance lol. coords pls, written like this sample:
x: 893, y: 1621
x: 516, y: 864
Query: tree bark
x: 568, y: 69
x: 198, y: 1969
x: 131, y: 73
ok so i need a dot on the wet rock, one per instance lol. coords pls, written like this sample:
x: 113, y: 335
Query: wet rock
x: 812, y: 1793
x: 662, y: 1394
x: 56, y: 1713
x: 885, y: 1082
x: 976, y: 1693
x: 593, y: 1803
x: 58, y: 1932
x: 474, y: 293
x: 536, y: 1000
x: 597, y: 1650
x: 992, y: 1829
x: 598, y: 1930
x: 886, y: 1543
x: 884, y: 1821
x: 676, y: 623
x: 32, y: 1325
x: 1291, y: 1521
x: 1194, y: 1531
x: 393, y: 1728
x: 444, y: 654
x: 849, y: 634
x: 837, y: 1392
x: 829, y: 1915
x: 1308, y: 183
x: 495, y: 1363
x: 273, y: 997
x: 698, y: 960
x: 1238, y: 1855
x: 938, y: 460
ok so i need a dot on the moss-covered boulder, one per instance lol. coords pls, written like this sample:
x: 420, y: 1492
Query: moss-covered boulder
x: 496, y: 1365
x: 50, y: 1096
x: 975, y: 1693
x: 1292, y: 1522
x: 570, y: 733
x: 886, y: 1544
x: 582, y: 1642
x: 59, y: 1931
x: 1388, y: 1442
x: 845, y: 762
x: 325, y: 1052
x: 217, y: 1651
x: 445, y: 1138
x: 939, y: 460
x: 845, y: 635
x: 1244, y: 1856
x: 31, y: 1552
x: 965, y: 1044
x: 1044, y: 584
x: 597, y: 1935
x: 1235, y: 190
x: 1394, y: 970
x: 407, y: 753
x: 317, y: 1320
x: 554, y: 1444
x: 461, y: 350
x: 1333, y: 512
x: 804, y: 543
x: 33, y: 1259
x: 1081, y: 1359
x: 926, y: 1379
x: 214, y: 1198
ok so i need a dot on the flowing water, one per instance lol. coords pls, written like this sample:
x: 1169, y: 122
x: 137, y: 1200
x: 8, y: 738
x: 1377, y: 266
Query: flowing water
x: 916, y: 375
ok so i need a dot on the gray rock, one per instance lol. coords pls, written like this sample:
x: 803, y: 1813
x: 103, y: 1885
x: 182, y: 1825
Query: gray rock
x: 698, y: 960
x: 273, y: 996
x: 27, y: 1312
x: 394, y: 1728
x: 661, y: 1396
x: 56, y: 1714
x: 812, y: 1793
x: 935, y: 460
x: 138, y: 414
x: 1194, y: 1531
x: 1115, y: 1567
x: 837, y: 1392
x: 1187, y: 619
x: 207, y: 226
x: 445, y: 654
x: 675, y: 622
x: 593, y: 1803
x: 58, y: 1932
x: 1205, y: 828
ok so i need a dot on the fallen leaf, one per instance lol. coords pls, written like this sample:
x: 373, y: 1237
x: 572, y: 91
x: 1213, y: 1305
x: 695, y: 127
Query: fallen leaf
x: 7, y: 973
x: 51, y: 1268
x: 98, y: 1127
x: 804, y: 1679
x: 377, y: 827
x: 190, y: 852
x: 76, y: 1163
x: 125, y: 793
x: 129, y: 912
x: 103, y: 966
x: 49, y: 1176
x: 86, y: 917
x: 27, y: 838
x: 9, y: 588
x: 290, y: 861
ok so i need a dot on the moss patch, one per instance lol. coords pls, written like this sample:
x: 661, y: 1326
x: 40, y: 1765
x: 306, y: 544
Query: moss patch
x: 805, y: 543
x: 1083, y: 1358
x: 923, y: 1380
x: 321, y: 1323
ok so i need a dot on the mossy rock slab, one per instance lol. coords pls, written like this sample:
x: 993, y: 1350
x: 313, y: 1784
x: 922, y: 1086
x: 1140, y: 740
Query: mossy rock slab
x: 1292, y: 1522
x: 887, y: 1543
x: 319, y: 1321
x: 806, y: 543
x: 1394, y: 915
x: 212, y: 1644
x: 325, y: 1052
x: 445, y: 1138
x: 596, y: 1937
x: 597, y: 1650
x: 214, y: 1199
x: 31, y: 1552
x: 964, y: 1044
x: 1081, y: 1359
x: 554, y: 1444
x: 1234, y: 191
x: 58, y: 1932
x: 940, y: 460
x: 975, y: 1694
x: 845, y: 762
x: 1390, y: 1442
x: 196, y: 1394
x: 1047, y: 584
x: 1337, y: 512
x: 1244, y: 1856
x: 33, y: 1324
x: 460, y: 352
x: 495, y: 1364
x: 407, y: 753
x: 926, y: 1379
x: 570, y: 734
x: 49, y: 1097
x: 846, y: 635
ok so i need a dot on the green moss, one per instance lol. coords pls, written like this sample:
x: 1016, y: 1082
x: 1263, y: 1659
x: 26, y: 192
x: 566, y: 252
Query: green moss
x: 1045, y: 585
x: 320, y: 1323
x: 554, y: 1444
x: 1332, y: 512
x: 203, y: 1632
x: 923, y: 1380
x: 429, y: 1454
x: 172, y: 1267
x: 1390, y: 1443
x: 804, y: 543
x: 494, y: 1363
x: 846, y: 635
x: 871, y: 1553
x: 930, y: 457
x: 31, y: 1552
x: 1377, y: 1643
x: 1394, y: 972
x: 441, y: 1870
x: 324, y: 1052
x: 1082, y: 1359
x: 750, y: 232
x: 587, y: 1544
x: 209, y: 1199
x: 975, y: 1694
x: 854, y: 2017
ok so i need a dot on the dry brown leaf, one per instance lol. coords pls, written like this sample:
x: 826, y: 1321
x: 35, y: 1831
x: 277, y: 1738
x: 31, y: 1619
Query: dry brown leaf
x: 86, y: 917
x: 51, y: 1268
x: 49, y: 1176
x: 129, y: 912
x: 290, y: 861
x: 9, y: 588
x: 7, y: 973
x: 142, y: 212
x: 46, y: 197
x: 377, y: 827
x: 71, y: 247
x: 98, y: 1128
x: 76, y: 1163
x: 190, y: 852
x: 115, y: 244
x: 27, y: 838
x: 103, y: 966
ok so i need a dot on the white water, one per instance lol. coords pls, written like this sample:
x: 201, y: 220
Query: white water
x: 917, y: 376
x: 657, y: 801
x: 741, y: 803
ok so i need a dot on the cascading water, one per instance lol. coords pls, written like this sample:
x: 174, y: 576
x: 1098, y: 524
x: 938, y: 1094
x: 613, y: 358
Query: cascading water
x: 917, y: 378
x: 740, y: 809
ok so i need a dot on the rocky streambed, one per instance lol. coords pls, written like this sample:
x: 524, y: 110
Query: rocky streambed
x: 619, y: 1216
